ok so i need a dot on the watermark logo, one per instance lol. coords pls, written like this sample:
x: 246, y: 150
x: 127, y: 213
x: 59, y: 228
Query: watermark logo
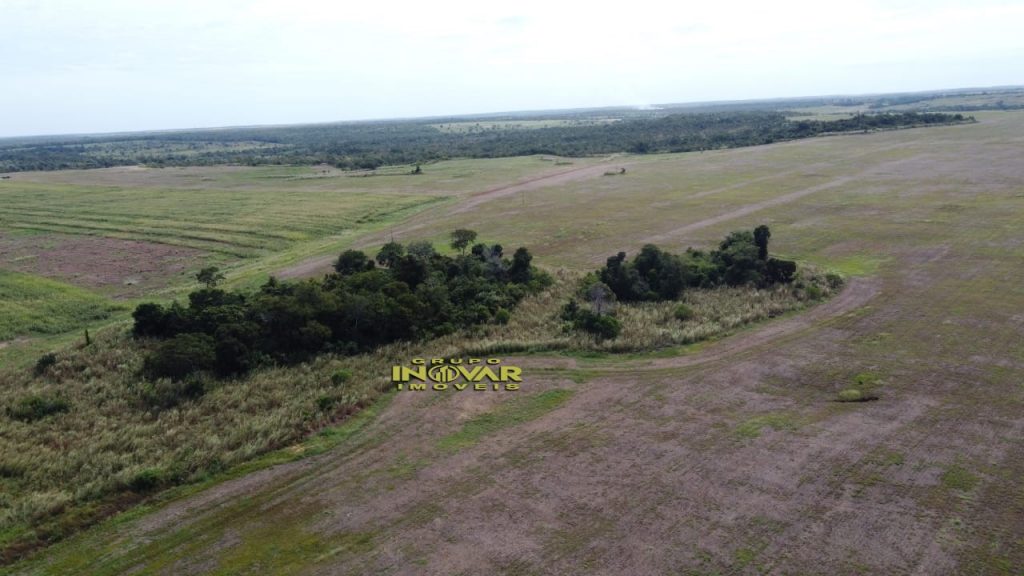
x: 479, y: 374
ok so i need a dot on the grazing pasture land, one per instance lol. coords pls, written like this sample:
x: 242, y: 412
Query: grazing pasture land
x: 31, y: 306
x: 120, y: 268
x: 133, y: 232
x: 731, y: 456
x: 232, y: 223
x: 249, y: 221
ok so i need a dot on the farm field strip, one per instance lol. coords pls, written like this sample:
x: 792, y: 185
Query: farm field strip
x: 446, y: 177
x: 235, y: 223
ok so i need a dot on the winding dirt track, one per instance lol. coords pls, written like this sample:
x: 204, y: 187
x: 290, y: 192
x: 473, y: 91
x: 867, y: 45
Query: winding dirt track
x: 855, y: 295
x: 564, y: 177
x: 321, y: 264
x: 746, y: 210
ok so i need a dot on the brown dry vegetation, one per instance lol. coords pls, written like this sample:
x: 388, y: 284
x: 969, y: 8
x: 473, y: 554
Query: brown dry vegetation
x: 732, y: 457
x: 122, y: 268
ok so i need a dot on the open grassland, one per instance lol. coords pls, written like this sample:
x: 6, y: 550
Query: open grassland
x: 32, y: 306
x: 734, y: 457
x: 238, y: 212
x: 695, y: 198
x: 442, y: 178
x: 121, y: 240
x: 229, y: 222
x: 131, y: 232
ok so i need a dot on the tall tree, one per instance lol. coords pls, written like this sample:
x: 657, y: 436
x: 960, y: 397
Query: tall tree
x: 761, y: 236
x: 210, y: 276
x: 462, y: 238
x: 352, y: 262
x: 390, y: 253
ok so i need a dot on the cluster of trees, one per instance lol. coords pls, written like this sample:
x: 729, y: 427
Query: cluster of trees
x: 366, y: 145
x: 407, y: 292
x: 655, y: 275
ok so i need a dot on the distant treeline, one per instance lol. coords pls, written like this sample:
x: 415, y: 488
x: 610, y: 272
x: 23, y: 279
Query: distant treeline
x: 368, y: 145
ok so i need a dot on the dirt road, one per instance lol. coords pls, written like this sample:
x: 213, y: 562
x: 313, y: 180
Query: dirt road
x: 322, y: 264
x: 549, y: 489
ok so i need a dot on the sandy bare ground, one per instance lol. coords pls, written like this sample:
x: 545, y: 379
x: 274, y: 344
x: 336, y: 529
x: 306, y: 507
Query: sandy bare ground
x: 306, y: 268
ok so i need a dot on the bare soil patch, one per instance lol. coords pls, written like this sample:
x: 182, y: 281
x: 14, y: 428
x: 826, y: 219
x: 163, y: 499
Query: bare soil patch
x: 124, y: 268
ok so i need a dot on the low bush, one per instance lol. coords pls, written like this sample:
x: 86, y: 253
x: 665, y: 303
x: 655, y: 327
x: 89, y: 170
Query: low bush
x: 502, y: 316
x: 180, y: 356
x: 326, y: 403
x: 341, y: 376
x: 165, y: 393
x: 44, y: 363
x: 856, y: 395
x: 603, y: 326
x: 35, y: 408
x: 684, y: 313
x: 146, y: 480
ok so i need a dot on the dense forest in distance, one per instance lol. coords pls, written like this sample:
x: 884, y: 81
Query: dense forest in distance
x: 374, y: 144
x: 371, y: 144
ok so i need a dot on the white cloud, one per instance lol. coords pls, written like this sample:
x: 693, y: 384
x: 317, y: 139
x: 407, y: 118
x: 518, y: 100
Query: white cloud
x: 117, y: 65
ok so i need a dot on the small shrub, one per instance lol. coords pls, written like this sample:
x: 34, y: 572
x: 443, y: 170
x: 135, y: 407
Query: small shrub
x: 146, y: 480
x: 570, y: 311
x: 813, y: 292
x: 341, y: 376
x: 684, y: 313
x: 181, y: 356
x: 11, y: 470
x: 502, y: 316
x: 44, y: 363
x: 603, y: 326
x: 866, y: 379
x: 855, y: 395
x: 169, y: 393
x: 835, y: 281
x: 957, y: 477
x: 35, y: 408
x: 325, y: 403
x: 781, y: 271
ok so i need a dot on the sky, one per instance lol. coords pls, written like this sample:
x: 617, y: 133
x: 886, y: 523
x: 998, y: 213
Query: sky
x: 122, y: 65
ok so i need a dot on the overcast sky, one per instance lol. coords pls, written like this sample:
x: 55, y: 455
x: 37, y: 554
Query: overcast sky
x: 113, y: 65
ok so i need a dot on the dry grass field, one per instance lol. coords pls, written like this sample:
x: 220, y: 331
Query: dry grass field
x: 135, y: 232
x: 725, y: 457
